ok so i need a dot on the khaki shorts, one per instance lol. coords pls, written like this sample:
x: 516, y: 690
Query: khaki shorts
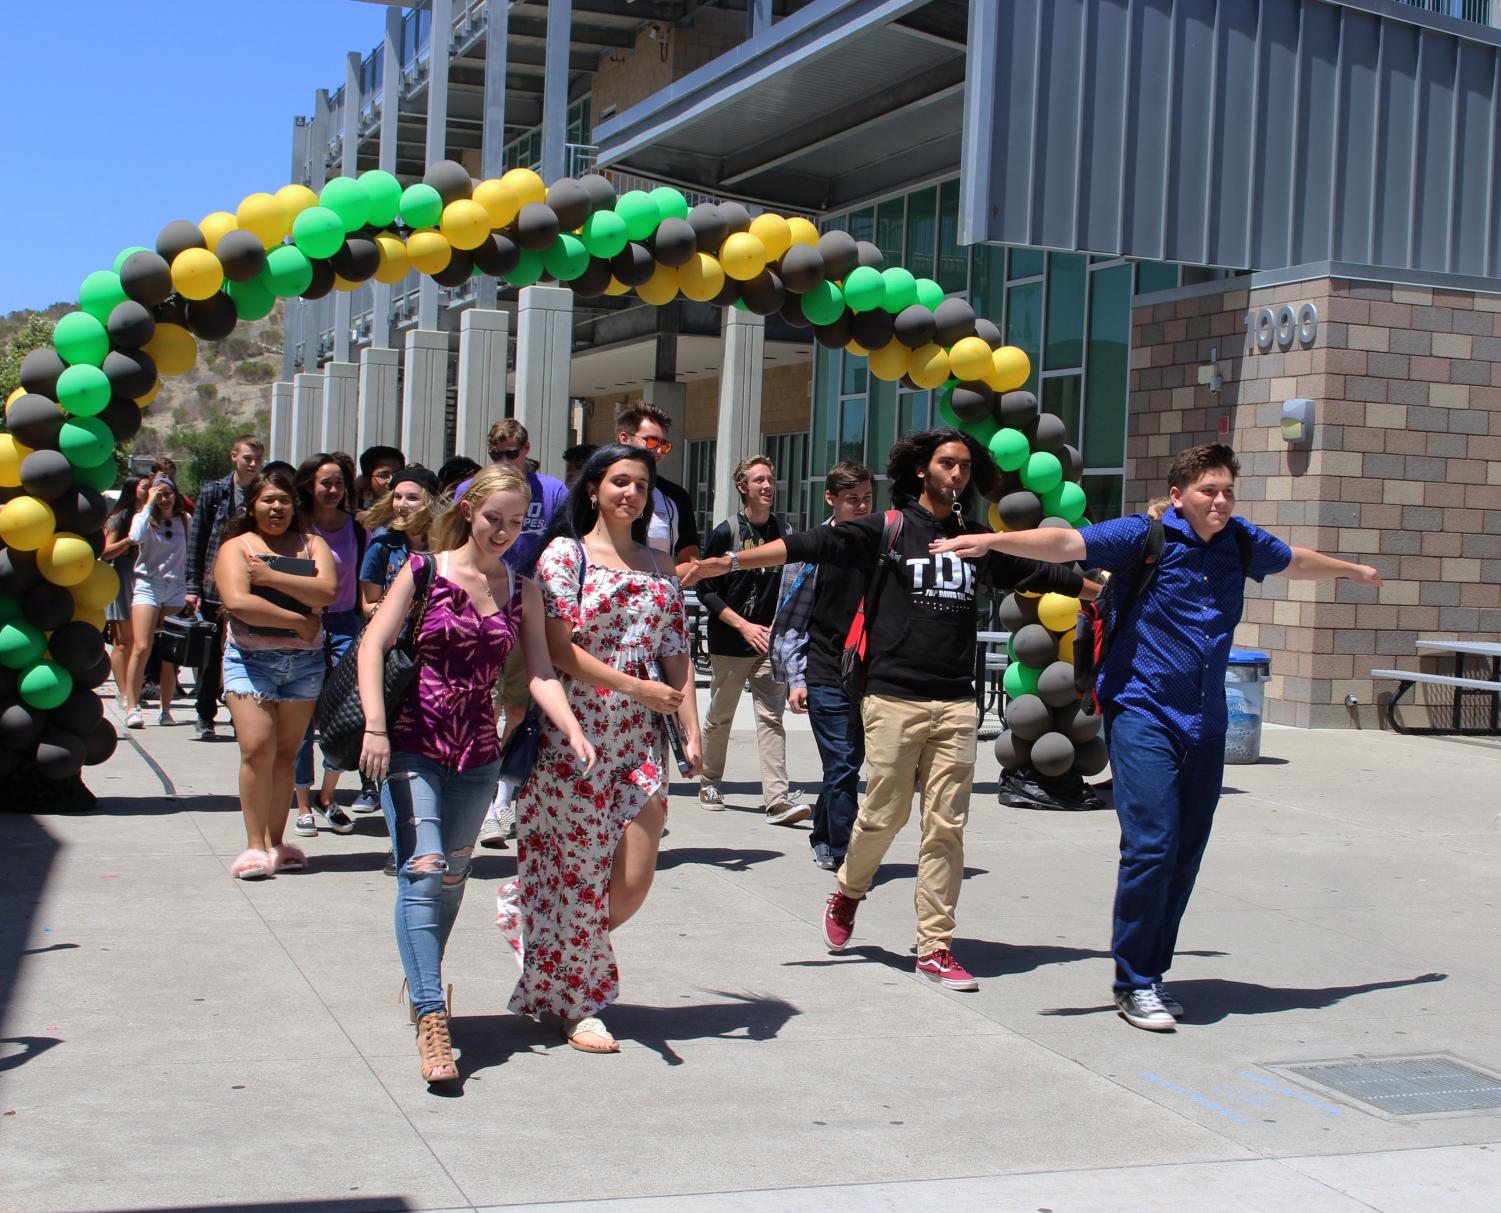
x: 512, y: 690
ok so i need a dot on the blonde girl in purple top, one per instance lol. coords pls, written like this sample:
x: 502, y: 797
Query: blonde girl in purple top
x: 440, y: 756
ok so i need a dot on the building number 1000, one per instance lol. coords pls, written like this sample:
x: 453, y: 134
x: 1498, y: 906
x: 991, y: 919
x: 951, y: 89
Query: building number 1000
x: 1281, y: 327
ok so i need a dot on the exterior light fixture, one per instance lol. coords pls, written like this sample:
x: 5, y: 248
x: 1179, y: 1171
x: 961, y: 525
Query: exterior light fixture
x: 1297, y: 422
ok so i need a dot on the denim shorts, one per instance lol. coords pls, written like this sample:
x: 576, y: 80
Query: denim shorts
x: 273, y: 674
x: 158, y: 592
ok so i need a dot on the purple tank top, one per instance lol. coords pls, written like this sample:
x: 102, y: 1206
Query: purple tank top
x: 447, y: 715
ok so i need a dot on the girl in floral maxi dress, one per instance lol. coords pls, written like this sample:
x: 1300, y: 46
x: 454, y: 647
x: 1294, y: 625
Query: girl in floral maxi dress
x: 588, y: 845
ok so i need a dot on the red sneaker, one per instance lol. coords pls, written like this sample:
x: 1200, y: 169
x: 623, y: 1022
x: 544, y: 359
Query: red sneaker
x: 839, y: 920
x: 940, y: 966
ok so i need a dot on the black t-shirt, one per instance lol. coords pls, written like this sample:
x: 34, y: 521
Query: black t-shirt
x: 750, y: 593
x: 836, y: 597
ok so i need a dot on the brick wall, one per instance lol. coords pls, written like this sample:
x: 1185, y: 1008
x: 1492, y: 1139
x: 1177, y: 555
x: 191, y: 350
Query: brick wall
x: 1404, y: 472
x: 628, y: 76
x: 786, y: 405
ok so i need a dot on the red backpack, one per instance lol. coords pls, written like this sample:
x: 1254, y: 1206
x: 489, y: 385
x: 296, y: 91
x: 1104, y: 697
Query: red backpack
x: 853, y: 666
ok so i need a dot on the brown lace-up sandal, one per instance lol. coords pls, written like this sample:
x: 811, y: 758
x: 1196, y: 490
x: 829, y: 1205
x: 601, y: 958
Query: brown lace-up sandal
x: 436, y: 1049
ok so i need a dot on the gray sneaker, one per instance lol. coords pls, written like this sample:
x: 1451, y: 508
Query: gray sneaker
x: 709, y: 798
x: 823, y: 857
x: 203, y: 730
x: 305, y: 826
x: 1144, y: 1009
x: 335, y: 818
x: 1170, y: 1004
x: 787, y: 812
x: 492, y: 835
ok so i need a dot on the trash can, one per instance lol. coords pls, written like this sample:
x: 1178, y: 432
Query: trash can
x: 1245, y: 692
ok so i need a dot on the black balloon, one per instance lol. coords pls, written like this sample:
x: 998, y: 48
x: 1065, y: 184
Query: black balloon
x: 870, y: 255
x: 1034, y: 645
x: 99, y: 745
x: 357, y: 260
x: 497, y: 256
x: 914, y: 326
x: 633, y: 265
x: 1055, y: 685
x: 840, y: 253
x: 873, y: 329
x: 131, y: 372
x: 47, y: 474
x: 834, y: 336
x: 450, y: 179
x: 21, y: 725
x: 18, y: 571
x: 177, y: 237
x: 458, y: 270
x: 10, y: 762
x: 1073, y: 463
x: 675, y: 242
x: 729, y: 293
x: 1052, y: 755
x: 131, y: 324
x: 1011, y: 751
x: 97, y: 674
x: 710, y: 226
x: 1081, y: 726
x: 988, y: 333
x: 1009, y: 482
x: 972, y: 402
x: 601, y: 192
x: 81, y: 510
x: 1018, y: 410
x: 802, y: 268
x: 34, y: 420
x: 40, y: 370
x: 175, y: 309
x: 1050, y: 434
x: 8, y: 679
x: 123, y: 416
x: 953, y: 320
x: 536, y: 226
x: 1091, y: 757
x: 77, y: 646
x: 1056, y: 524
x: 241, y: 254
x: 736, y: 216
x: 764, y: 294
x: 96, y: 543
x: 569, y: 202
x: 792, y: 312
x: 60, y: 754
x: 1021, y: 511
x: 1017, y: 611
x: 147, y: 278
x: 80, y: 712
x: 594, y: 281
x: 1028, y: 717
x: 323, y: 280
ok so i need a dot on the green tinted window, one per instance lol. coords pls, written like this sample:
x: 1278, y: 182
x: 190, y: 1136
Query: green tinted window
x: 953, y: 259
x: 882, y: 414
x: 852, y: 429
x: 1103, y: 493
x: 863, y: 224
x: 922, y: 231
x: 914, y: 411
x: 1024, y: 324
x: 1155, y: 276
x: 1066, y: 275
x: 1025, y: 262
x: 839, y: 223
x: 1109, y: 368
x: 988, y: 285
x: 1061, y: 397
x: 890, y: 218
x: 825, y: 408
x: 854, y: 374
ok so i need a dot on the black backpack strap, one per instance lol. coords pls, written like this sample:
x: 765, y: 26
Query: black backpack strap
x: 1147, y: 565
x: 1243, y: 542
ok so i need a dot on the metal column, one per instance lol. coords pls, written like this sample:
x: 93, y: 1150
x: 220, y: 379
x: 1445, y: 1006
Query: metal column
x: 739, y: 432
x: 439, y: 48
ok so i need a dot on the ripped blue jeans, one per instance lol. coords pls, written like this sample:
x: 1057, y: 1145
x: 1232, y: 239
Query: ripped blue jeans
x: 434, y: 814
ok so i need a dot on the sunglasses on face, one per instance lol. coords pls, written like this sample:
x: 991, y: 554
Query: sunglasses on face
x: 655, y: 444
x: 510, y: 452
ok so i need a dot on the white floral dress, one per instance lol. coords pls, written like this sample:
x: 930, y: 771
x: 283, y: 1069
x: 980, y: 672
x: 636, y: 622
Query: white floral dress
x: 568, y: 827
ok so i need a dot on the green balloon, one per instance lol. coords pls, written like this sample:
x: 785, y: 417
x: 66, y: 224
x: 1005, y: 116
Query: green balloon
x: 929, y: 294
x: 670, y: 202
x: 346, y: 197
x: 1010, y: 449
x: 566, y: 257
x: 86, y: 441
x: 99, y: 293
x: 421, y: 206
x: 80, y: 340
x: 901, y: 289
x: 21, y: 643
x: 528, y: 269
x: 1042, y: 473
x: 100, y: 477
x: 605, y: 234
x: 45, y: 685
x: 1066, y: 501
x: 318, y: 232
x: 10, y: 608
x: 864, y: 289
x: 126, y: 253
x: 253, y: 299
x: 983, y: 430
x: 824, y: 304
x: 83, y: 390
x: 384, y: 194
x: 1020, y: 680
x: 946, y: 412
x: 288, y: 272
x: 640, y: 212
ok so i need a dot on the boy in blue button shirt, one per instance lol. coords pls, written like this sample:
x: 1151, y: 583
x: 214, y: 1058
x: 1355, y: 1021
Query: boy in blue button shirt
x: 1162, y: 687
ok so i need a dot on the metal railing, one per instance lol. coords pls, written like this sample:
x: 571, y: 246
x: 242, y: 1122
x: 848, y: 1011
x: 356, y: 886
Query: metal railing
x: 1482, y: 12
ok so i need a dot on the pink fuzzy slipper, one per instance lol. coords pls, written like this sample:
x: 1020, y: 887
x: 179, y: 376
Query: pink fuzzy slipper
x: 252, y: 865
x: 287, y: 858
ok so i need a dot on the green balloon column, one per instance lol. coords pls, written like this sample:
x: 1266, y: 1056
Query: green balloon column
x: 141, y: 320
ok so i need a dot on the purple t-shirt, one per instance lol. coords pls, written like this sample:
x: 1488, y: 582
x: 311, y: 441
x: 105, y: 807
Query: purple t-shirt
x: 346, y: 550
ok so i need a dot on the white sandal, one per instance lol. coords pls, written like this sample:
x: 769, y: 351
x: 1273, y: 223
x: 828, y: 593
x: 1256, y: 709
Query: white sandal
x: 591, y: 1025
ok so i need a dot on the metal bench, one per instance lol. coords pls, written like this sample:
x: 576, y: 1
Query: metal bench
x: 1463, y: 687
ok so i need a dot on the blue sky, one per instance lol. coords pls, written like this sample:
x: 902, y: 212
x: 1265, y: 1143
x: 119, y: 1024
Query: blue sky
x: 123, y: 114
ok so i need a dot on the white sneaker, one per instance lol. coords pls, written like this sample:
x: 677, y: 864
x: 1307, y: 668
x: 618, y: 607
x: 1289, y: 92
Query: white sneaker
x: 787, y: 813
x: 709, y: 798
x: 1144, y: 1009
x: 134, y: 719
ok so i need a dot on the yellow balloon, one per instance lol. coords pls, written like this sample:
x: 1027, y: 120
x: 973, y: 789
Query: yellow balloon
x: 197, y: 274
x: 661, y: 287
x: 617, y: 287
x: 265, y: 217
x: 930, y: 366
x: 743, y: 256
x: 11, y: 454
x: 93, y: 616
x: 1010, y: 368
x: 858, y: 350
x: 26, y: 523
x: 343, y: 284
x: 802, y: 231
x: 65, y: 559
x: 145, y: 400
x: 1057, y: 612
x: 527, y: 186
x: 172, y: 348
x: 993, y: 516
x: 428, y: 251
x: 890, y: 362
x: 394, y: 264
x: 1066, y: 645
x: 970, y: 358
x: 14, y: 396
x: 295, y: 199
x: 499, y: 200
x: 774, y: 232
x: 701, y: 279
x: 215, y: 227
x: 98, y: 589
x: 465, y: 223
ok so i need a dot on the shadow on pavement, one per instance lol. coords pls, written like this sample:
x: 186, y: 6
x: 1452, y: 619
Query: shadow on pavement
x: 743, y: 1017
x: 27, y: 853
x: 27, y: 1048
x: 908, y: 871
x: 726, y: 859
x: 361, y: 1204
x: 161, y: 806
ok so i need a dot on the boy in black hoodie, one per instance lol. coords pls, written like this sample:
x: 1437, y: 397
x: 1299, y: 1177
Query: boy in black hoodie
x: 919, y: 710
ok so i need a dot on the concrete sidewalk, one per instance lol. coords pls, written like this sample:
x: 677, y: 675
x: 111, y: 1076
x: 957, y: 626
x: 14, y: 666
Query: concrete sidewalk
x: 175, y: 1039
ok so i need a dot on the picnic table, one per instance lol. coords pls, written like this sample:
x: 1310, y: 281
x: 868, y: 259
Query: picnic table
x: 991, y: 659
x: 698, y: 625
x: 1463, y: 686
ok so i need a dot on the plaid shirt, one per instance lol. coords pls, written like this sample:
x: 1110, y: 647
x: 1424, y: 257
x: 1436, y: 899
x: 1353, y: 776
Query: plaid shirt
x: 789, y: 631
x: 215, y: 507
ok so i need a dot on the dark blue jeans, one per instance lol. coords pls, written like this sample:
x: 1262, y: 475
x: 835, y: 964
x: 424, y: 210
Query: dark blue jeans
x: 341, y: 629
x: 1165, y: 795
x: 841, y: 746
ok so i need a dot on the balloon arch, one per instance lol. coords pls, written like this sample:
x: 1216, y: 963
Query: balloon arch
x: 142, y: 320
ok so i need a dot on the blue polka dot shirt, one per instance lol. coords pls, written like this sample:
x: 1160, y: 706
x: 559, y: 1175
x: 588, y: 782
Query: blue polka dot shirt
x: 1167, y: 658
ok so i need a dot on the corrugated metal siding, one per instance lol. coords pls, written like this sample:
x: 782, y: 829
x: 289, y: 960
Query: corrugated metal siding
x: 1245, y: 133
